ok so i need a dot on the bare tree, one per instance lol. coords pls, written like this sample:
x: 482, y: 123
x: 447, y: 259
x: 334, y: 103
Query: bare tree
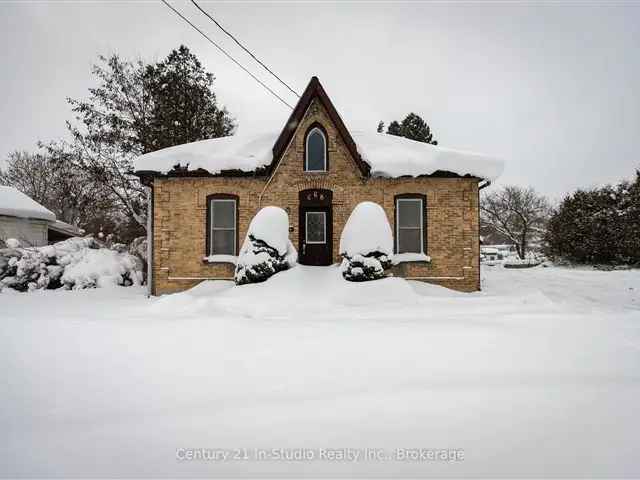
x: 31, y: 173
x: 51, y: 179
x: 521, y: 214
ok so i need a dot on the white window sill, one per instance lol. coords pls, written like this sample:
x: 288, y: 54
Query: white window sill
x: 220, y: 259
x: 410, y: 257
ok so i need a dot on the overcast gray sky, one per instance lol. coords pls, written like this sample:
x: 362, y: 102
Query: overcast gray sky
x: 551, y: 88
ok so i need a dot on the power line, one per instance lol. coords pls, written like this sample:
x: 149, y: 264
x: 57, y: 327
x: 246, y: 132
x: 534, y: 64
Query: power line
x: 226, y: 54
x: 244, y: 48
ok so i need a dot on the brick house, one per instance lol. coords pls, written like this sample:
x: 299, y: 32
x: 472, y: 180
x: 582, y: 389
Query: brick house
x: 203, y: 196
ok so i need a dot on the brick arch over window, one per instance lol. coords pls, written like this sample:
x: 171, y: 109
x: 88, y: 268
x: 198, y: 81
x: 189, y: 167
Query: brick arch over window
x: 211, y: 226
x: 315, y: 126
x: 315, y: 182
x: 399, y: 230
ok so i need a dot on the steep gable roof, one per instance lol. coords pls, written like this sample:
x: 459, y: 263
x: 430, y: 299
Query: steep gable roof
x: 314, y: 90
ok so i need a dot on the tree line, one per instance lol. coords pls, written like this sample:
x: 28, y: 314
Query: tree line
x: 595, y: 226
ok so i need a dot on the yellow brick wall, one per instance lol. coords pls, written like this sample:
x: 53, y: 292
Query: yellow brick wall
x: 180, y: 213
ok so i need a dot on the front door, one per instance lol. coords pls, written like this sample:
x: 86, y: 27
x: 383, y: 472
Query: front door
x: 316, y: 236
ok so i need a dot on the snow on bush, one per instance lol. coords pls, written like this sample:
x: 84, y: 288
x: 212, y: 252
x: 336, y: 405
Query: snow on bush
x: 267, y: 249
x: 12, y: 243
x: 366, y: 244
x: 73, y: 264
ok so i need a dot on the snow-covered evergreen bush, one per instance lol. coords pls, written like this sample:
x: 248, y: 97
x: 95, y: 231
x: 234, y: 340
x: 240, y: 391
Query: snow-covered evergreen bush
x: 366, y: 243
x: 597, y: 226
x: 267, y: 249
x: 74, y: 263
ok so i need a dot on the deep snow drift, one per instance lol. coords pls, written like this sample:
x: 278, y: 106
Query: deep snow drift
x: 535, y: 376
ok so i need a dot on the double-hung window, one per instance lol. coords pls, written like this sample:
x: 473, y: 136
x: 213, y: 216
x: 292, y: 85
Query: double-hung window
x: 410, y: 224
x: 222, y: 215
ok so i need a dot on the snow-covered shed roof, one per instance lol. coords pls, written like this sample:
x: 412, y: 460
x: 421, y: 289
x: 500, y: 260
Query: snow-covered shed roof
x: 375, y: 153
x: 66, y: 228
x: 14, y: 203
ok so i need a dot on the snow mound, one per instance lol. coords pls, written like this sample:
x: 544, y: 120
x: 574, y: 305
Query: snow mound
x: 14, y: 203
x: 292, y: 294
x: 367, y: 230
x: 267, y: 249
x: 271, y: 225
x: 366, y: 243
x: 388, y: 156
x: 12, y: 243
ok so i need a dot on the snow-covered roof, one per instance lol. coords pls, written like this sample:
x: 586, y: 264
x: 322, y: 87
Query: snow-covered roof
x: 387, y: 155
x: 14, y: 203
x: 64, y: 227
x: 393, y: 156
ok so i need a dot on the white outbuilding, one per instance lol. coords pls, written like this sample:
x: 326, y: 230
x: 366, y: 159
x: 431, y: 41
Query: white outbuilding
x: 28, y: 222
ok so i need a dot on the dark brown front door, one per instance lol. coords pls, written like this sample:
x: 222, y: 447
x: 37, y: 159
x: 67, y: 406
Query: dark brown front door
x: 316, y: 233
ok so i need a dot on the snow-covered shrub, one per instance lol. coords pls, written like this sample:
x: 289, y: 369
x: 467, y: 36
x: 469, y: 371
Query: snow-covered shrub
x: 101, y: 268
x: 366, y: 243
x: 73, y: 263
x: 267, y: 249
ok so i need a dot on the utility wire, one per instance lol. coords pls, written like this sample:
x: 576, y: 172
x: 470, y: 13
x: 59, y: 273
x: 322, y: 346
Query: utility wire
x: 245, y: 48
x: 226, y: 54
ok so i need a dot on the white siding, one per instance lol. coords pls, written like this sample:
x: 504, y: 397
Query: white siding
x: 30, y: 232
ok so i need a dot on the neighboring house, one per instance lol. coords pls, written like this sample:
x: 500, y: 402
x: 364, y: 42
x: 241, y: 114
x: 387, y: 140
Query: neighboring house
x: 205, y: 194
x: 27, y: 221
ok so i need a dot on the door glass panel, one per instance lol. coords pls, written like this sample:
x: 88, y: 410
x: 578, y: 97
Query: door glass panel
x: 409, y: 240
x: 409, y: 213
x: 224, y: 213
x: 316, y: 226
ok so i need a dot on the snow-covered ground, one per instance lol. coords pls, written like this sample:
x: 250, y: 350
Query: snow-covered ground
x: 538, y: 375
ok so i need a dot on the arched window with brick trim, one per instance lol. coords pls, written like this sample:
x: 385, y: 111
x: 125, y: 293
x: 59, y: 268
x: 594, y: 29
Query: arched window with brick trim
x: 316, y: 152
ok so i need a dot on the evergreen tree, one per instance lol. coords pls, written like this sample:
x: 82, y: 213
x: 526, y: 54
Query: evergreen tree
x: 380, y: 127
x: 412, y: 127
x: 184, y: 107
x: 394, y: 129
x: 138, y: 108
x: 415, y: 128
x: 600, y: 225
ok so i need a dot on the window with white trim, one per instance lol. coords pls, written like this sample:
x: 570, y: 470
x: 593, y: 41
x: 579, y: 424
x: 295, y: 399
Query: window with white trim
x: 222, y: 224
x: 409, y: 225
x: 316, y: 151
